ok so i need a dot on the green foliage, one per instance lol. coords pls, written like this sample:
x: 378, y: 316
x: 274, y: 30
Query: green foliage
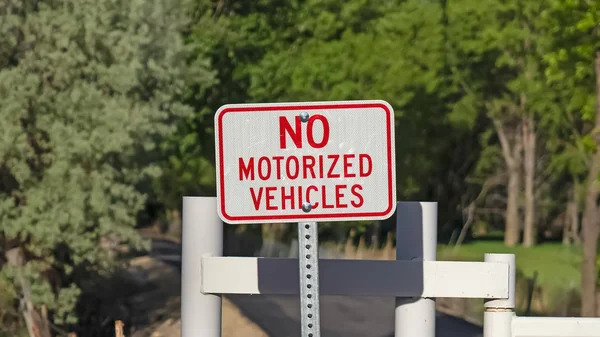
x: 390, y: 51
x: 106, y: 103
x: 87, y: 90
x: 503, y: 75
x: 495, y: 50
x: 573, y: 28
x: 557, y: 265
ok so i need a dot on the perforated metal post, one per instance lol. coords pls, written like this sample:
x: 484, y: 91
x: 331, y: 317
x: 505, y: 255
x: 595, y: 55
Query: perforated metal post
x: 308, y: 262
x: 202, y: 236
x: 416, y: 240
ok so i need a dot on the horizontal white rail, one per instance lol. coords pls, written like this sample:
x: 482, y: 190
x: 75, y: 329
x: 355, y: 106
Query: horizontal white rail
x: 252, y: 275
x: 555, y: 327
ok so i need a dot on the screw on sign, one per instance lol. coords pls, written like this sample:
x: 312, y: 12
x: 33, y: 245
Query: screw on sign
x: 305, y: 163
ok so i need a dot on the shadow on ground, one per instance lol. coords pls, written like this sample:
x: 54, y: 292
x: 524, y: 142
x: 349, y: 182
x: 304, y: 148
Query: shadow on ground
x: 340, y: 317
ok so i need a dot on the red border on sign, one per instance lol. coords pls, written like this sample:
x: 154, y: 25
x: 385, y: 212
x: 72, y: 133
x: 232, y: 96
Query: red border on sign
x: 306, y: 107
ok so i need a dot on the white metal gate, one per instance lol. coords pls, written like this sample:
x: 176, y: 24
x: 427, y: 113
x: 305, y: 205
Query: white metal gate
x: 415, y: 279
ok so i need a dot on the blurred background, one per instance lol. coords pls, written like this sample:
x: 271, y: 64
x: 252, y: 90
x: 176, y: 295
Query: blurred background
x: 106, y: 121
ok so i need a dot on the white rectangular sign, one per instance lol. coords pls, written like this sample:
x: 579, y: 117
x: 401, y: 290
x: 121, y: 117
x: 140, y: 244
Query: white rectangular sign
x: 335, y: 158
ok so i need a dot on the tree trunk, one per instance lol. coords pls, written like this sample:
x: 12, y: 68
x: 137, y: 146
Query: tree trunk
x: 512, y: 157
x: 571, y: 219
x: 511, y: 234
x: 590, y: 243
x: 375, y: 237
x: 590, y: 222
x: 37, y: 325
x: 175, y: 223
x: 465, y: 229
x: 566, y: 223
x: 530, y: 230
x: 574, y: 215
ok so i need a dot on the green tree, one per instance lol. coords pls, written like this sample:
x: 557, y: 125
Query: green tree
x: 372, y: 49
x: 574, y: 68
x: 275, y: 50
x: 368, y: 49
x: 226, y: 38
x: 87, y: 90
x: 189, y: 168
x: 223, y: 41
x: 496, y: 50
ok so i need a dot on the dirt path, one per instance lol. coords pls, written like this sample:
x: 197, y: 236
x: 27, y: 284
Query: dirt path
x: 234, y: 324
x: 158, y: 308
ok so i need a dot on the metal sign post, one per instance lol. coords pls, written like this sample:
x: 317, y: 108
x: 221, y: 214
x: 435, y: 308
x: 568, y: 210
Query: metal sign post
x: 308, y: 262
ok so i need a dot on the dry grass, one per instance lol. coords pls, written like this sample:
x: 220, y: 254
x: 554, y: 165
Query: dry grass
x: 233, y: 323
x: 362, y: 252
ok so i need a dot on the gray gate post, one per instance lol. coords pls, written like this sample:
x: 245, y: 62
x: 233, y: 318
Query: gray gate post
x: 416, y: 239
x: 202, y: 236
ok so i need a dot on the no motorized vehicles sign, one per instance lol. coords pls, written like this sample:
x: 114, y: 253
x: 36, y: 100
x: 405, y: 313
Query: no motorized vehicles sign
x: 335, y: 158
